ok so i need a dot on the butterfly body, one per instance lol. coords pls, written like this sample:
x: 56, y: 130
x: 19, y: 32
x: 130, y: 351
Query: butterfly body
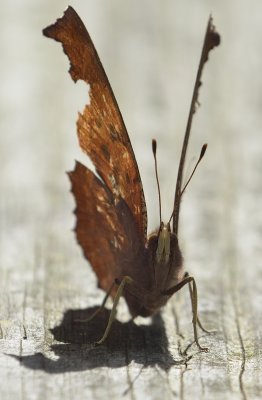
x: 154, y: 273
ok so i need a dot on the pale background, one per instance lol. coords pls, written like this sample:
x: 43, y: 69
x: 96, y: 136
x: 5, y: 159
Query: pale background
x: 150, y: 50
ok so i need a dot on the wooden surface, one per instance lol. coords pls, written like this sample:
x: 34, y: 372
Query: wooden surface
x: 150, y: 51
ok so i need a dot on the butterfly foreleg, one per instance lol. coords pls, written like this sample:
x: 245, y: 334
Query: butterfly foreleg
x: 193, y: 295
x: 124, y: 281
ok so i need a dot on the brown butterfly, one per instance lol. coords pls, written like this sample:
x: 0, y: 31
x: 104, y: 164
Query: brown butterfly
x: 111, y: 216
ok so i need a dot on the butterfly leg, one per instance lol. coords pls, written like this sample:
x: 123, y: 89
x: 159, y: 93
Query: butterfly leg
x: 190, y: 281
x: 125, y: 280
x: 100, y: 308
x: 191, y: 297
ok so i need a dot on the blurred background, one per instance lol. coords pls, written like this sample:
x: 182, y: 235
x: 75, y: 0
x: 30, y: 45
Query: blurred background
x: 150, y: 51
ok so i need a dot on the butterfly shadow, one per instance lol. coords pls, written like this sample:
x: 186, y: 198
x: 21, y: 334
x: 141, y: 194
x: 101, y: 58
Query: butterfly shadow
x: 146, y: 345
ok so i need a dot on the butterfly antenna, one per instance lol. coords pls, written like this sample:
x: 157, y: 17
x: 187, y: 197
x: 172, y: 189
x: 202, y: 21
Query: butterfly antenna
x: 154, y: 145
x: 202, y: 153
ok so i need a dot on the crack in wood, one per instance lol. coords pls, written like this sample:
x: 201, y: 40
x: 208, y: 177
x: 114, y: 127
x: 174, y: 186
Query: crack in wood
x: 177, y: 330
x: 131, y: 383
x: 181, y: 392
x: 24, y: 332
x: 243, y: 364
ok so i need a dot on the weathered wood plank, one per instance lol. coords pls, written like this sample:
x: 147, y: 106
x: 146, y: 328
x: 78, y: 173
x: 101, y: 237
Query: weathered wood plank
x: 150, y: 53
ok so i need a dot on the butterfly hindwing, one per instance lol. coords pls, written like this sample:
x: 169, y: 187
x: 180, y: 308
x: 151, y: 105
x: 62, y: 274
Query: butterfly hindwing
x: 95, y: 213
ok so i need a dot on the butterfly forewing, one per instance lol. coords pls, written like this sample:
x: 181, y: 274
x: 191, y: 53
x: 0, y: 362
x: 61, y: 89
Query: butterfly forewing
x: 101, y: 130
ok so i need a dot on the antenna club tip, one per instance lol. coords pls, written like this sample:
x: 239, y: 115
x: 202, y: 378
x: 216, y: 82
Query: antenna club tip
x: 154, y: 144
x: 203, y: 150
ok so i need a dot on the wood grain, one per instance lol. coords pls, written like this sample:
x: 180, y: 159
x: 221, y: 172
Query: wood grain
x: 45, y: 284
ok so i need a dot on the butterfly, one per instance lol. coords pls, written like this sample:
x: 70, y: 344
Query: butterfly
x: 111, y: 215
